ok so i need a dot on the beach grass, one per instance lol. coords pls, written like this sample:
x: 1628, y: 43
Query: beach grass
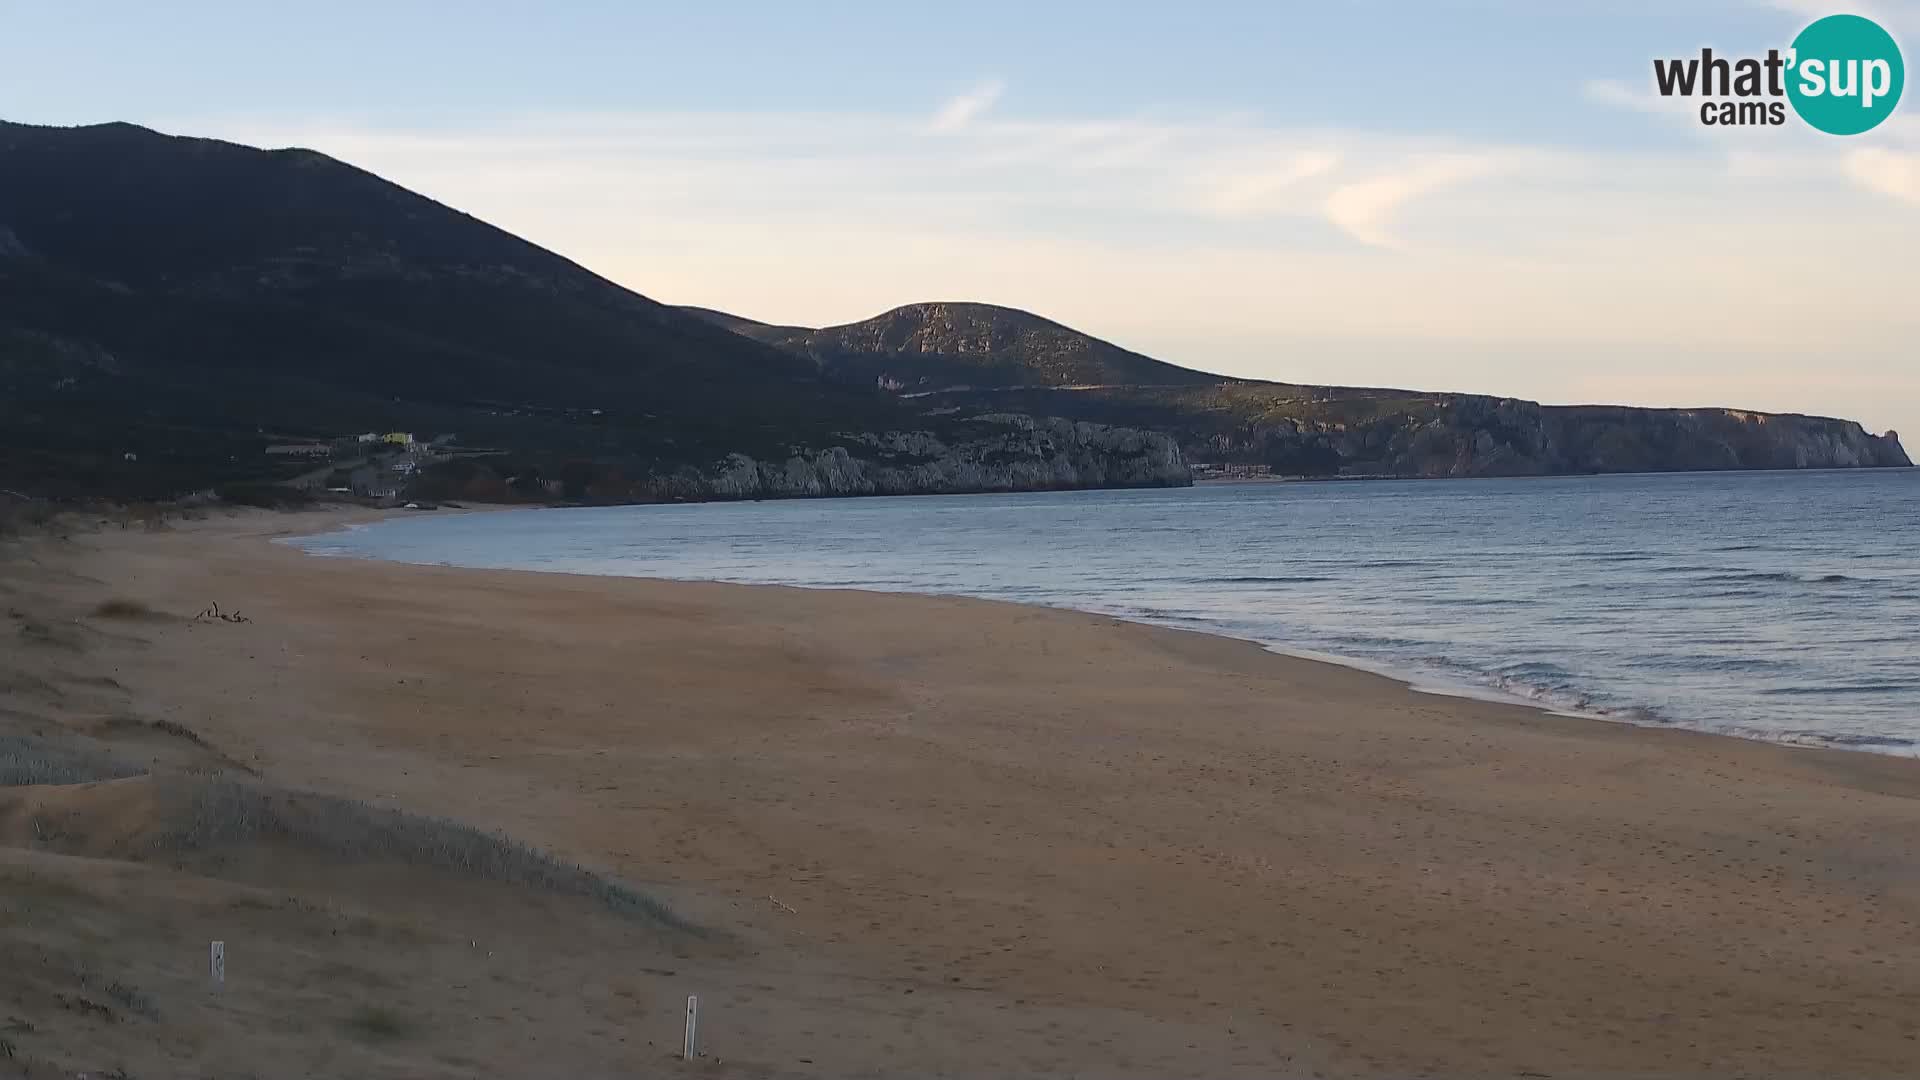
x: 224, y: 811
x: 26, y: 760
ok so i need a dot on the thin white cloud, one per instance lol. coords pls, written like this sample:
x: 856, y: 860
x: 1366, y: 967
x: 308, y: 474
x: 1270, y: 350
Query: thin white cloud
x: 1889, y: 172
x: 963, y: 109
x: 1267, y: 185
x: 1365, y: 209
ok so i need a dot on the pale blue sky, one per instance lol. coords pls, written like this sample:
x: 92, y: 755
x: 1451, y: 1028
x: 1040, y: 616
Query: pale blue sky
x: 1411, y: 67
x: 1467, y: 196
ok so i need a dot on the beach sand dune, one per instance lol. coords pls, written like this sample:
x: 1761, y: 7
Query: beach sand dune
x: 943, y: 836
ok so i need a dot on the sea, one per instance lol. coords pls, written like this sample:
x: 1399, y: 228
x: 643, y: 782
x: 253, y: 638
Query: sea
x: 1772, y: 605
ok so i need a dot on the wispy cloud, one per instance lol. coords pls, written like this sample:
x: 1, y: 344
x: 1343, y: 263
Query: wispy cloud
x: 1265, y: 184
x: 1888, y: 172
x: 963, y: 109
x: 1365, y: 208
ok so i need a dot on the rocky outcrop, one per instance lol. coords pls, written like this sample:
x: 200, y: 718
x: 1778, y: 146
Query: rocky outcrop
x: 1602, y: 439
x: 1480, y: 436
x: 989, y: 453
x: 1002, y: 453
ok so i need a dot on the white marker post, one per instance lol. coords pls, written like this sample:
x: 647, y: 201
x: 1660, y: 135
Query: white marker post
x: 693, y: 1021
x: 217, y: 963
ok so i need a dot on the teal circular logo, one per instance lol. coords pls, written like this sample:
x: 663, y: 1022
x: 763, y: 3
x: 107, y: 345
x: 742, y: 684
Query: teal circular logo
x: 1845, y: 75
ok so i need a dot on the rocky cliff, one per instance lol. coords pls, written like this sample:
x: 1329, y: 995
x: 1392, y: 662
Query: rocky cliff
x: 1611, y: 439
x: 988, y: 453
x: 1477, y: 436
x: 1008, y: 453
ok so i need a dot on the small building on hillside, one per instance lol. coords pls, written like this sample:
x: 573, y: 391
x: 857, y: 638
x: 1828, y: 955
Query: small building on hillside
x: 398, y: 438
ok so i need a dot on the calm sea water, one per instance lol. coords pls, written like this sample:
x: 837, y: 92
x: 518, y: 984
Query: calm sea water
x: 1783, y: 606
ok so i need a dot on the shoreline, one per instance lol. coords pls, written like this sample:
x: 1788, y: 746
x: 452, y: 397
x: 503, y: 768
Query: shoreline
x: 978, y: 837
x: 1410, y: 676
x: 1412, y: 681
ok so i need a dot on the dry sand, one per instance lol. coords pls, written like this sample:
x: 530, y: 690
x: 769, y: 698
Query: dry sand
x: 953, y: 837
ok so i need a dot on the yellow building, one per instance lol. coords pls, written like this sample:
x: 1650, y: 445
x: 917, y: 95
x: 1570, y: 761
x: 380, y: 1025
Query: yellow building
x: 398, y: 438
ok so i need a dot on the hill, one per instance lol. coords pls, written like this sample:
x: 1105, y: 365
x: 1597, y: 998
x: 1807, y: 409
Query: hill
x: 976, y: 356
x: 174, y: 312
x: 171, y: 306
x: 930, y: 346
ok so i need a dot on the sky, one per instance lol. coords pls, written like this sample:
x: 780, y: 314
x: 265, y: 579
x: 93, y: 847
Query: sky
x: 1473, y: 196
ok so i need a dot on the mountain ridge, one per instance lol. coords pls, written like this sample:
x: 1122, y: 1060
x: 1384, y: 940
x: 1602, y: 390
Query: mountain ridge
x: 1306, y: 429
x: 955, y: 339
x: 171, y: 306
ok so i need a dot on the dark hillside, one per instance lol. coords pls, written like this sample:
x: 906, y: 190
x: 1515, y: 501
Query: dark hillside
x: 187, y: 300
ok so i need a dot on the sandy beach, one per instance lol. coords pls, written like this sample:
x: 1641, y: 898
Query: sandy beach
x: 951, y: 837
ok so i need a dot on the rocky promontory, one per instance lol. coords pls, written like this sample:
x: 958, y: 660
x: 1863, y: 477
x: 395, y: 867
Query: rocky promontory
x: 990, y: 453
x: 1480, y: 436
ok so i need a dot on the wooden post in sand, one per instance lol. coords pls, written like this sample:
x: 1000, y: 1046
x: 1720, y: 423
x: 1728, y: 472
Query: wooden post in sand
x: 217, y: 963
x: 693, y: 1020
